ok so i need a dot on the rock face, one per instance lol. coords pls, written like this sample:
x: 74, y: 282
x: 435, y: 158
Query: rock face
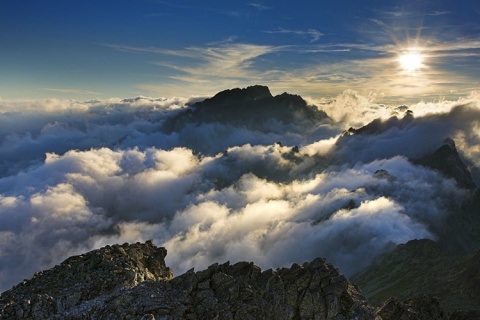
x: 253, y: 107
x: 82, y: 278
x: 313, y: 290
x: 132, y: 281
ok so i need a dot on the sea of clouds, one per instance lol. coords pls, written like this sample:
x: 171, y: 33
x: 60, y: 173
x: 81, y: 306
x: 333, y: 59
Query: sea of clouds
x: 75, y: 176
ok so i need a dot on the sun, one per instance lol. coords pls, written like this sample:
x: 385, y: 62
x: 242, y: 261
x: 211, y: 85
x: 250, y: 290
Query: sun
x: 411, y: 61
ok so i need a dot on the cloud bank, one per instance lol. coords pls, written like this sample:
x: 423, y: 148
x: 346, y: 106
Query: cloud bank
x: 75, y: 176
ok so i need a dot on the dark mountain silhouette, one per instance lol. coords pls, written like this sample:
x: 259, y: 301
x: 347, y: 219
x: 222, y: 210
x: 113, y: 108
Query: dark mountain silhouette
x: 253, y: 107
x: 378, y: 126
x: 460, y: 231
x: 447, y: 160
x: 421, y: 267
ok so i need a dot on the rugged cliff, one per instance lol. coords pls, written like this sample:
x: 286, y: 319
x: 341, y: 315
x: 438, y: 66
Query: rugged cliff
x: 131, y: 281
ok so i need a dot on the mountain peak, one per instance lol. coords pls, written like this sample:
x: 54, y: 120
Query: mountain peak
x: 449, y: 142
x: 447, y: 160
x: 77, y: 277
x: 250, y: 93
x: 253, y: 107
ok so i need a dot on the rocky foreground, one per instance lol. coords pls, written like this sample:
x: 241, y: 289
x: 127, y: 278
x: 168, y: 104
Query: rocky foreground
x: 131, y: 281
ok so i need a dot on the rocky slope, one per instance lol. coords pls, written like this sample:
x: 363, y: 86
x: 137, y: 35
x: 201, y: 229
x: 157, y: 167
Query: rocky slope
x: 131, y: 281
x: 84, y: 278
x: 423, y: 267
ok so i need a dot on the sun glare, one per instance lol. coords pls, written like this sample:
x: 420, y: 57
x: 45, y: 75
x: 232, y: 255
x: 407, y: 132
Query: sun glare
x: 411, y: 61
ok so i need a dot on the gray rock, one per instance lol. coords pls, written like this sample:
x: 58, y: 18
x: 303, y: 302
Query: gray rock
x: 133, y: 282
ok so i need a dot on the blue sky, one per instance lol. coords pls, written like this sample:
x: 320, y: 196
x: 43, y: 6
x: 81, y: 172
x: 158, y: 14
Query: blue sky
x: 99, y: 49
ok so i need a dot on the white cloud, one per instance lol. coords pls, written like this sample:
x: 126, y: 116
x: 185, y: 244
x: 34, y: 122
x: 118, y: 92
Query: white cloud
x: 105, y: 173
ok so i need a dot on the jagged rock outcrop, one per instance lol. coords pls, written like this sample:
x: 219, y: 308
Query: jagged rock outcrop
x: 80, y: 279
x: 253, y: 107
x: 132, y: 281
x: 447, y: 160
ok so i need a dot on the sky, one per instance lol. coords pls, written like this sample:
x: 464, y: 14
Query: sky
x: 88, y: 49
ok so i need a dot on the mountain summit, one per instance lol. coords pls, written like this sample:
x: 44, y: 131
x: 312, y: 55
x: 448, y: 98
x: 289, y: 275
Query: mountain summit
x: 252, y: 107
x: 447, y: 160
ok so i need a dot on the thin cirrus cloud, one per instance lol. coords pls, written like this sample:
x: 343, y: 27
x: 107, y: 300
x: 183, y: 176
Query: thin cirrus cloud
x: 313, y: 33
x: 439, y: 13
x: 315, y: 68
x: 74, y: 91
x: 223, y: 55
x: 259, y: 6
x: 209, y: 68
x: 235, y: 65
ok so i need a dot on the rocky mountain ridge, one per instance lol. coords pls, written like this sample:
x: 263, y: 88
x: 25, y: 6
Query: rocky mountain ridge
x: 252, y: 107
x: 131, y: 281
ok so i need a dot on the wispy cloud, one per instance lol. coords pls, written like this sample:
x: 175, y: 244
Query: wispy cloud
x: 313, y: 69
x: 399, y: 13
x: 259, y: 6
x: 209, y: 68
x: 439, y: 13
x: 459, y: 45
x: 230, y: 39
x: 225, y: 59
x: 126, y: 48
x: 315, y: 34
x: 74, y: 91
